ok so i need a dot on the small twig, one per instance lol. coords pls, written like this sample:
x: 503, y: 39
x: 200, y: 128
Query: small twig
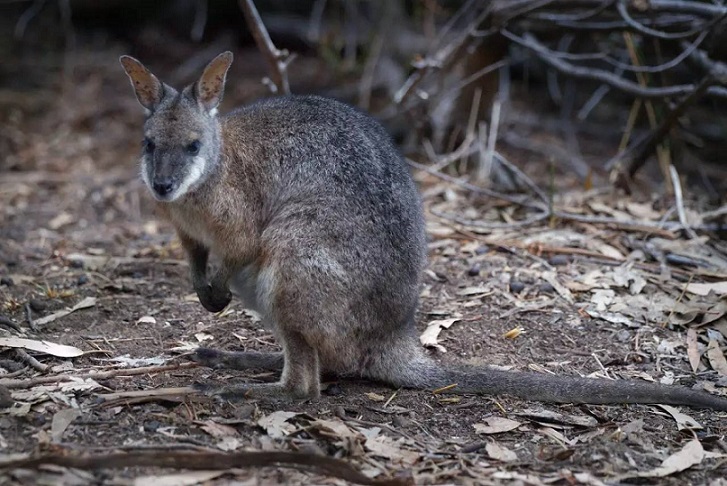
x: 635, y: 156
x: 680, y: 202
x: 6, y: 321
x: 473, y: 188
x: 29, y: 317
x: 492, y: 137
x: 101, y: 375
x: 552, y: 59
x: 32, y: 362
x: 277, y: 60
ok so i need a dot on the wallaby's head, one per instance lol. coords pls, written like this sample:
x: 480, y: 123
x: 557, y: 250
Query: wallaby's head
x: 181, y: 145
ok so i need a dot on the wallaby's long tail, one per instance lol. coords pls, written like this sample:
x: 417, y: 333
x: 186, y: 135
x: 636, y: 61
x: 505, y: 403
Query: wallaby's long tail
x: 424, y: 373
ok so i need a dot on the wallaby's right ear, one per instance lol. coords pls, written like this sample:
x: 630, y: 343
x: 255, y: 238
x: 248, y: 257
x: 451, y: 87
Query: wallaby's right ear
x: 149, y: 90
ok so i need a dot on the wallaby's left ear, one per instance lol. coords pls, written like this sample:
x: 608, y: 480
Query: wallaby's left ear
x: 208, y: 90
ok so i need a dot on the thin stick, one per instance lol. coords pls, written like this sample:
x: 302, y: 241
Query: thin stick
x: 277, y: 60
x: 43, y: 380
x: 680, y: 201
x: 34, y: 363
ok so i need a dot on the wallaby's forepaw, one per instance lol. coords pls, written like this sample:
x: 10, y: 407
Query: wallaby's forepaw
x: 214, y: 298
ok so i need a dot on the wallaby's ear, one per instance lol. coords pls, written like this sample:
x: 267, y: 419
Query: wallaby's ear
x: 149, y: 90
x: 208, y: 90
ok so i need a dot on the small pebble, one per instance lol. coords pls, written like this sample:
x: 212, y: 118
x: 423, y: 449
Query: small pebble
x: 82, y: 280
x: 481, y: 250
x: 474, y: 270
x: 516, y: 287
x: 37, y: 305
x: 546, y: 288
x: 76, y: 263
x: 7, y: 281
x: 559, y: 260
x: 151, y: 425
x: 137, y: 275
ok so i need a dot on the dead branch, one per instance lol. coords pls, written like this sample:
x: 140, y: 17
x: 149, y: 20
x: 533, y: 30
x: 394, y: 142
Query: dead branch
x: 201, y: 460
x: 277, y: 59
x: 635, y: 156
x: 554, y: 60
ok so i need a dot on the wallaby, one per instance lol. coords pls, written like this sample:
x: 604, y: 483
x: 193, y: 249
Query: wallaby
x: 319, y: 228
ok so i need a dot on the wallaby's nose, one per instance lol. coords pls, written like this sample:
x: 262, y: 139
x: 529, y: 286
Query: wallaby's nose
x: 163, y: 187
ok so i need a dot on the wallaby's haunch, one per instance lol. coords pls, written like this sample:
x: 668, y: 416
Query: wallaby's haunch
x: 319, y: 228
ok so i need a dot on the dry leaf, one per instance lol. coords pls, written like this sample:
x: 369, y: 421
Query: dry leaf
x: 334, y: 428
x: 188, y: 478
x: 229, y: 444
x: 61, y: 420
x: 500, y: 453
x: 218, y: 430
x: 496, y: 425
x: 683, y: 420
x: 84, y: 304
x: 60, y: 350
x: 431, y: 334
x: 276, y: 424
x: 693, y: 349
x: 375, y: 397
x: 691, y: 455
x: 470, y: 291
x: 552, y: 279
x: 716, y: 358
x: 703, y: 289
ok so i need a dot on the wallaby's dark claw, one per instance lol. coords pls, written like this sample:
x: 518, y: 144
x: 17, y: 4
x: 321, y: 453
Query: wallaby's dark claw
x: 214, y: 299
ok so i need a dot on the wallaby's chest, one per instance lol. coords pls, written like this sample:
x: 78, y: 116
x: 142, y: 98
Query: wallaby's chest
x: 195, y: 224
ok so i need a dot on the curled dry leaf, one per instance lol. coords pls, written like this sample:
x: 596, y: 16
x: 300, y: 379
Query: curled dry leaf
x: 716, y: 358
x: 431, y: 334
x: 691, y: 455
x: 684, y: 421
x: 514, y: 333
x: 693, y: 349
x: 276, y: 424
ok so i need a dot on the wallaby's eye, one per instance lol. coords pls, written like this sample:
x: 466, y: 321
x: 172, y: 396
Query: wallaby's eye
x: 193, y: 148
x: 148, y: 146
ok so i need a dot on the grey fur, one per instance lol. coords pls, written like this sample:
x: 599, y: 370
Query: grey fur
x: 320, y: 229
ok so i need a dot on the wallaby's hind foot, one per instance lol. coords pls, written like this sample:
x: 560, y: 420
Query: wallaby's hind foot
x: 260, y: 391
x: 238, y: 360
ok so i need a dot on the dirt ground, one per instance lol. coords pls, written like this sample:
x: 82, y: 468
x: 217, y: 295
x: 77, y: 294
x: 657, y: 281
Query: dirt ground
x: 76, y: 223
